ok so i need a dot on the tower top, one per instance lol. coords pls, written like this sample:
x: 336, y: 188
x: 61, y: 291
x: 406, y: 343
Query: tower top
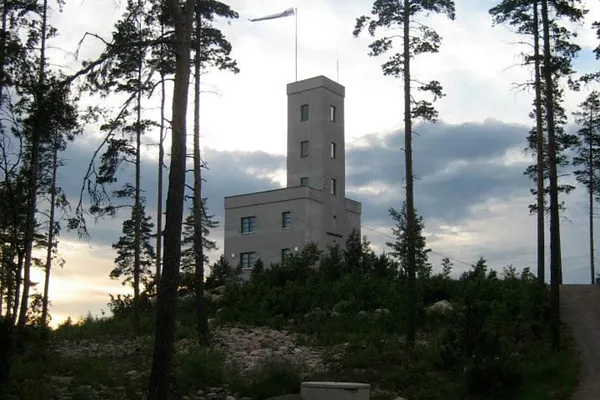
x: 314, y: 83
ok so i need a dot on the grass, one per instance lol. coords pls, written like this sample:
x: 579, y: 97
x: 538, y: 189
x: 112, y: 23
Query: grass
x: 552, y: 375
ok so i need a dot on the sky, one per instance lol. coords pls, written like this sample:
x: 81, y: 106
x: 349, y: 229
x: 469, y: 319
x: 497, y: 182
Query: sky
x: 470, y: 186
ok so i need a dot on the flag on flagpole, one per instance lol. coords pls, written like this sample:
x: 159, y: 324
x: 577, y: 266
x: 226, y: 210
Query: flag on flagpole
x: 286, y: 13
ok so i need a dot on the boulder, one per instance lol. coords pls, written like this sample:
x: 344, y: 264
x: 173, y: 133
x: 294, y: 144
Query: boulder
x: 341, y: 306
x: 441, y: 306
x: 219, y: 290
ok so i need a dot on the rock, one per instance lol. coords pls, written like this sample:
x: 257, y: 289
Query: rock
x: 219, y: 290
x: 61, y: 380
x: 341, y: 306
x: 441, y: 306
x: 229, y: 398
x: 249, y: 348
x: 133, y: 374
x: 363, y: 314
x: 335, y: 314
x: 382, y: 311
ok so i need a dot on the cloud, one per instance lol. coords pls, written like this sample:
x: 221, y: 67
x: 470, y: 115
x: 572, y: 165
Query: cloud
x: 455, y: 165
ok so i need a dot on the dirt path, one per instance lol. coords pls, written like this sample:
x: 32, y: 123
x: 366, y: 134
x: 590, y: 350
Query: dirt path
x: 580, y: 308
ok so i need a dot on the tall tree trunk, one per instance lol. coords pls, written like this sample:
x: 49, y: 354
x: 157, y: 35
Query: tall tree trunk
x: 201, y: 314
x: 555, y: 253
x: 33, y: 181
x: 137, y: 324
x: 3, y: 276
x: 411, y: 305
x: 541, y: 209
x: 3, y: 33
x: 17, y: 286
x: 162, y: 361
x: 161, y: 161
x: 50, y: 244
x: 592, y: 190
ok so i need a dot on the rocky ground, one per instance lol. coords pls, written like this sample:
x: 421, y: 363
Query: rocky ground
x: 243, y: 347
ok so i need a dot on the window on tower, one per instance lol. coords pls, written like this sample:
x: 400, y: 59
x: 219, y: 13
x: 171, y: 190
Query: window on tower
x: 332, y: 149
x: 304, y: 112
x: 286, y: 219
x: 304, y: 181
x: 304, y: 149
x: 285, y: 253
x: 333, y: 186
x: 332, y: 113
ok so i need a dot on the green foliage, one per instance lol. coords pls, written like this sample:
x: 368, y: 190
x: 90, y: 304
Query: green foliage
x: 200, y: 366
x: 188, y: 261
x: 588, y: 153
x: 125, y: 249
x: 222, y: 273
x: 421, y: 39
x: 400, y: 246
x: 520, y: 14
x: 273, y: 378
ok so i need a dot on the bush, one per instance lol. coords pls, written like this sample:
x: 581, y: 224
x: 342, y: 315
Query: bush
x: 200, y: 367
x: 273, y: 378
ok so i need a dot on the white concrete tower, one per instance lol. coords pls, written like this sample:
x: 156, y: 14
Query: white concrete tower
x: 316, y: 148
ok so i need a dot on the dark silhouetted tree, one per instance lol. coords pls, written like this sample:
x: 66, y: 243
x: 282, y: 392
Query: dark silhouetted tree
x: 417, y: 38
x: 125, y: 261
x: 588, y: 158
x: 400, y: 245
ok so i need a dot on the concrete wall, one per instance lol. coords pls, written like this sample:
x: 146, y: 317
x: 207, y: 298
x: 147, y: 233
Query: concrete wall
x: 269, y: 237
x: 319, y: 93
x: 317, y: 214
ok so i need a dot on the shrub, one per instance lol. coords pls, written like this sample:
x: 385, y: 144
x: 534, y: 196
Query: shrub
x: 200, y: 366
x: 273, y: 378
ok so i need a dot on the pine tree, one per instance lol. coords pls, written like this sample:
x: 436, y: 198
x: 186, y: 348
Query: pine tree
x: 524, y: 16
x: 223, y: 273
x: 37, y: 117
x: 124, y: 262
x: 417, y: 38
x: 355, y: 252
x: 400, y: 246
x: 162, y: 359
x: 38, y: 108
x: 575, y: 14
x: 217, y: 55
x: 588, y: 157
x: 188, y: 255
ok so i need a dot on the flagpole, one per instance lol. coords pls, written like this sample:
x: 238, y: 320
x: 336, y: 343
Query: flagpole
x: 296, y: 15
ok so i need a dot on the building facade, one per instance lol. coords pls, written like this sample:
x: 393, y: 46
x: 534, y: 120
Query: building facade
x: 272, y: 224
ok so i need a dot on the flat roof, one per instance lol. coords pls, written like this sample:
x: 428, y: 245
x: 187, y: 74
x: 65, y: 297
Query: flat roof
x: 280, y: 189
x: 314, y: 83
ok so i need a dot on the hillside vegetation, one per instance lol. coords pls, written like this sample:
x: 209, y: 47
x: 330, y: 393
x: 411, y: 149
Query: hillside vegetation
x: 338, y: 316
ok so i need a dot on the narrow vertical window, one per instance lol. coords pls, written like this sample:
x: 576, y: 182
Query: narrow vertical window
x: 304, y: 181
x: 304, y: 112
x: 285, y: 253
x: 304, y: 149
x: 332, y: 149
x: 286, y: 219
x: 332, y: 113
x: 333, y: 186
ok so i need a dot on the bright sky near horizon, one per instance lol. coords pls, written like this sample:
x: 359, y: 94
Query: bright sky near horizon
x: 471, y: 189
